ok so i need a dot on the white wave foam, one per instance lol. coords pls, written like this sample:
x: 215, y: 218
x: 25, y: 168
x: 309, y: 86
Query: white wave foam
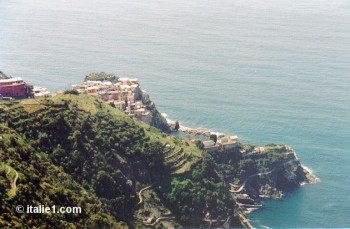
x: 316, y: 179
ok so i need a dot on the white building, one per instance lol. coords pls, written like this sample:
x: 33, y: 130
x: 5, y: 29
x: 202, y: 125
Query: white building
x: 228, y: 141
x: 41, y: 92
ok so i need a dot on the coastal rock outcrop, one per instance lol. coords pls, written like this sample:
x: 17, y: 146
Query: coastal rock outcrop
x: 262, y: 172
x: 291, y: 174
x: 156, y: 119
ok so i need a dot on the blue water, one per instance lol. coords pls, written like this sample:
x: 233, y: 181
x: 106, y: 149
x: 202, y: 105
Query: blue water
x: 273, y: 71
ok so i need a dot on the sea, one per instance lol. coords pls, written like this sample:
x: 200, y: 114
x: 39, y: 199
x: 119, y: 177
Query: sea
x: 273, y: 71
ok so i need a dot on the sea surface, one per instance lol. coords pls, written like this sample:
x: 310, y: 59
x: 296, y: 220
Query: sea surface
x: 273, y: 71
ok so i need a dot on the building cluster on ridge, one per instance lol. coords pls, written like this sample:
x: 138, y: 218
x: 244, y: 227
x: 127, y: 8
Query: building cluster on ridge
x: 222, y: 142
x: 11, y: 88
x: 125, y: 95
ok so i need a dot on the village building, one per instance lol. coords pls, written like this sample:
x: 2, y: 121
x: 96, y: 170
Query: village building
x: 119, y: 104
x: 40, y: 92
x: 228, y: 142
x: 123, y: 95
x: 210, y: 145
x: 13, y: 87
x: 223, y: 142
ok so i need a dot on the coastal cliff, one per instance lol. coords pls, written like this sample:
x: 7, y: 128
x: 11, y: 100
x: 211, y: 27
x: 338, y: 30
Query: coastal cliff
x: 78, y: 150
x: 124, y: 94
x: 156, y: 120
x: 255, y: 173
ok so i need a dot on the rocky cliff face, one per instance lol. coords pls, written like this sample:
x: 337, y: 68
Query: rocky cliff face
x: 155, y: 119
x: 281, y: 180
x: 265, y: 172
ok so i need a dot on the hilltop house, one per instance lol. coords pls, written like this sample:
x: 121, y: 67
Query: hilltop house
x: 210, y: 145
x: 40, y: 92
x: 123, y: 95
x: 13, y: 87
x: 228, y: 142
x: 223, y: 142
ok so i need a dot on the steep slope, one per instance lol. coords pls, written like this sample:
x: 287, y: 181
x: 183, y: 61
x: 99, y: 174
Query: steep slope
x: 41, y: 183
x: 254, y: 173
x: 104, y: 151
x: 157, y: 119
x: 78, y: 151
x: 3, y: 76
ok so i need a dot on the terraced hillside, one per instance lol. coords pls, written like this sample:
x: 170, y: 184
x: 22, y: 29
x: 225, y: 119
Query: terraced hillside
x: 74, y: 150
x: 105, y: 152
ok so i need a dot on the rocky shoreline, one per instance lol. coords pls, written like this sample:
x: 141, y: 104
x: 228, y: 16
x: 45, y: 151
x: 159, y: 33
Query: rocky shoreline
x: 188, y: 130
x: 249, y: 199
x: 274, y: 184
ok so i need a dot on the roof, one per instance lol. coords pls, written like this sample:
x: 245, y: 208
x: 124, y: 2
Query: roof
x: 91, y: 87
x: 40, y: 89
x: 209, y: 143
x: 40, y: 94
x: 228, y: 140
x: 223, y: 140
x: 92, y: 82
x: 124, y: 86
x: 140, y: 110
x: 135, y: 80
x: 11, y: 80
x: 107, y: 83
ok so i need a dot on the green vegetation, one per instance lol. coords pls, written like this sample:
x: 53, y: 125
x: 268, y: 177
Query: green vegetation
x: 214, y: 137
x: 102, y: 76
x: 75, y: 150
x: 29, y: 86
x: 201, y: 191
x: 71, y: 92
x: 86, y: 147
x: 177, y: 126
x: 41, y: 182
x: 4, y: 76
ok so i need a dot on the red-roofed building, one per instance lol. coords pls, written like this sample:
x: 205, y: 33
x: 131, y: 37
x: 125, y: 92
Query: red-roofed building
x: 113, y: 95
x: 13, y: 87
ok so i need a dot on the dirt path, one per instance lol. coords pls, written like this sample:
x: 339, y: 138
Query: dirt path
x: 140, y: 193
x: 8, y: 172
x: 159, y: 219
x: 246, y: 180
x: 228, y: 218
x: 14, y: 184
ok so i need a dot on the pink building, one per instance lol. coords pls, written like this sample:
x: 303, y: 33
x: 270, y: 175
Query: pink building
x: 13, y: 87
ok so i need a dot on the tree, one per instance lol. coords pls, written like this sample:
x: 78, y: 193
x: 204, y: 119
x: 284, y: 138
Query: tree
x: 71, y: 92
x: 214, y: 137
x: 102, y: 76
x: 177, y: 126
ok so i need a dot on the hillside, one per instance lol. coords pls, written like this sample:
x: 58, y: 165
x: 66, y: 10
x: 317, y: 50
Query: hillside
x: 3, y: 76
x: 75, y: 150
